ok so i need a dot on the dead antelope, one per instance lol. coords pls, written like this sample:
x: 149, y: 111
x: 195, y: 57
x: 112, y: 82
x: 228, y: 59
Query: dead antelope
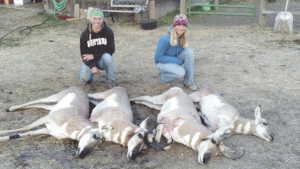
x: 114, y: 110
x: 68, y: 118
x: 218, y: 113
x: 183, y: 125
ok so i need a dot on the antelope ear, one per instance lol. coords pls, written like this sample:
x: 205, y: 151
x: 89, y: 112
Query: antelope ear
x: 144, y: 123
x: 257, y: 115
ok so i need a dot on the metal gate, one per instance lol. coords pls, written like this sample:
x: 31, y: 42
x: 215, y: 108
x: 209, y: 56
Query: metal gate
x: 127, y: 6
x: 253, y: 14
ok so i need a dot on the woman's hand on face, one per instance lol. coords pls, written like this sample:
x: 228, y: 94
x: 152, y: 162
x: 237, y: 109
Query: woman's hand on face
x: 95, y: 70
x: 88, y: 57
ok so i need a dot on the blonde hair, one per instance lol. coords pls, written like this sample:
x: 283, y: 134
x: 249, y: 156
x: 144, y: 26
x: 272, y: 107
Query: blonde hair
x: 183, y: 38
x: 90, y: 30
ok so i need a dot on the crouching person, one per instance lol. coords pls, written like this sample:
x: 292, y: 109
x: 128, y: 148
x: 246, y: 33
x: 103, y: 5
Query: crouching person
x: 172, y: 53
x: 97, y: 46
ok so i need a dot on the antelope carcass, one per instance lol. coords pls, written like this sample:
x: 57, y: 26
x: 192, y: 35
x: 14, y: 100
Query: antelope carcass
x: 68, y: 118
x: 183, y: 125
x: 218, y: 114
x: 113, y: 108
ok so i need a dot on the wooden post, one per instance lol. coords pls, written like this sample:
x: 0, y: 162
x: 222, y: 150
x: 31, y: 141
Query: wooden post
x: 183, y: 6
x: 216, y: 3
x: 263, y: 17
x: 152, y: 9
x: 76, y: 11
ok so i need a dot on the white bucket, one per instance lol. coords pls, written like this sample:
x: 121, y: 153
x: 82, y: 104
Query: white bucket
x: 21, y: 2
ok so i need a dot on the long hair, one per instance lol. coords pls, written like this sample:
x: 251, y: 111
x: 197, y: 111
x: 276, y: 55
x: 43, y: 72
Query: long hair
x: 183, y: 38
x: 90, y: 30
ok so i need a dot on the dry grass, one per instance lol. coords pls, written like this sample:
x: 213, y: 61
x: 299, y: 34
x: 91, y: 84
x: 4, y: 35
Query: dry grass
x: 248, y: 65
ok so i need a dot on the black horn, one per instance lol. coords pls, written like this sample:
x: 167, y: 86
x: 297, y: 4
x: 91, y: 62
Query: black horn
x: 155, y: 126
x: 150, y: 131
x: 159, y: 146
x: 155, y: 144
x: 224, y: 137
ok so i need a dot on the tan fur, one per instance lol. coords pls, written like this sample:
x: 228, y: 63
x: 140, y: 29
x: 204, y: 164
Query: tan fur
x: 115, y: 110
x: 182, y: 124
x: 184, y: 118
x: 68, y: 118
x: 74, y: 115
x: 221, y: 114
x: 119, y: 116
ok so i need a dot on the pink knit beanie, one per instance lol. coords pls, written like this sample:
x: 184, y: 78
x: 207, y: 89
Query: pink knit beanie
x: 180, y: 19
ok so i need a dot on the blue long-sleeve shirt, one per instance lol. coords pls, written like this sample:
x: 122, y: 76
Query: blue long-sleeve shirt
x: 165, y: 53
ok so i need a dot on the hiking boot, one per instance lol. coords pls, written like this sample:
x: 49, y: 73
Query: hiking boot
x: 192, y: 87
x: 111, y: 84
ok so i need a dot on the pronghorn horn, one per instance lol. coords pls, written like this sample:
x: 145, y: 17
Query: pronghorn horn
x: 214, y: 141
x: 232, y: 153
x: 224, y: 137
x: 148, y: 132
x: 154, y: 144
x: 159, y: 146
x: 155, y: 126
x: 218, y: 135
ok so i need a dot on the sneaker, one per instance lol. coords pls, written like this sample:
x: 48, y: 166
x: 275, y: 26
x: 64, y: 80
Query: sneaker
x: 192, y: 87
x: 111, y: 84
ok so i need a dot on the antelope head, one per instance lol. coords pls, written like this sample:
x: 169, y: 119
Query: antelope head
x: 141, y: 140
x: 91, y: 137
x: 213, y: 146
x: 262, y: 129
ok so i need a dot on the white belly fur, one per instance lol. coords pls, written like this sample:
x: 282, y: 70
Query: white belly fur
x: 209, y: 106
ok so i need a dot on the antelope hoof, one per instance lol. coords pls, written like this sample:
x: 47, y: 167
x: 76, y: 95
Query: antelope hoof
x: 7, y: 110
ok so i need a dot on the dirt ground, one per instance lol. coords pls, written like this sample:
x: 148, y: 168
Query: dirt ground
x: 247, y: 64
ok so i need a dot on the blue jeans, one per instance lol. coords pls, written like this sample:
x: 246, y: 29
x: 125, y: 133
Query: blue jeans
x: 105, y: 63
x: 170, y: 71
